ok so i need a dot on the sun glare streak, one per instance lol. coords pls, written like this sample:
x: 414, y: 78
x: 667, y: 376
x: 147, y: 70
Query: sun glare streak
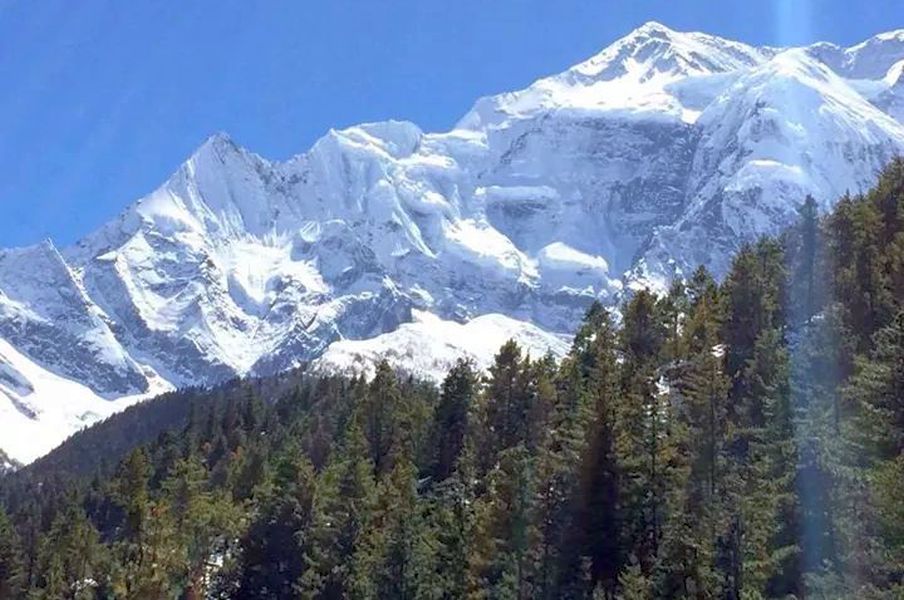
x: 793, y: 22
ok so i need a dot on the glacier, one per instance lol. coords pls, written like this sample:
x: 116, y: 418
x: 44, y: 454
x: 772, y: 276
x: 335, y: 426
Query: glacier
x: 665, y: 151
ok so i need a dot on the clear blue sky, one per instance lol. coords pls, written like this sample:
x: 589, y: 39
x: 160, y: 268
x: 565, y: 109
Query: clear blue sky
x: 101, y: 100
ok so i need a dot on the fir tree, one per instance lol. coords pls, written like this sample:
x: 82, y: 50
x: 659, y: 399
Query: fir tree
x: 12, y: 562
x: 343, y: 551
x: 380, y: 416
x: 643, y: 445
x: 273, y: 550
x: 450, y: 422
x: 599, y: 521
x: 205, y: 524
x: 454, y: 525
x: 69, y: 558
x: 403, y: 570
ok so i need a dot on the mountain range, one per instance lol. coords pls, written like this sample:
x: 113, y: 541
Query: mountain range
x: 665, y: 151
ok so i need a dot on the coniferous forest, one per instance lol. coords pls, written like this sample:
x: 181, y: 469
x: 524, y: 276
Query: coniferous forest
x: 732, y: 440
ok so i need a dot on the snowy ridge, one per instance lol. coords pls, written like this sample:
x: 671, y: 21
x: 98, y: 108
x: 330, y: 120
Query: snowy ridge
x: 428, y: 347
x: 7, y: 465
x: 663, y: 151
x: 631, y: 78
x: 39, y: 409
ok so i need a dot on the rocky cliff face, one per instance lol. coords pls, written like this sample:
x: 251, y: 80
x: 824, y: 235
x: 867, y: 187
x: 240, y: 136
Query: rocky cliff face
x: 665, y: 151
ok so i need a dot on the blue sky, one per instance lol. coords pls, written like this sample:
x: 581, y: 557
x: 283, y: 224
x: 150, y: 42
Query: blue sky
x: 101, y: 100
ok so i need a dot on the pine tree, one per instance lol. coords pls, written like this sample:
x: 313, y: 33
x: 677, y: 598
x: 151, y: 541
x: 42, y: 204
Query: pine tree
x: 507, y: 553
x: 343, y: 544
x: 273, y: 549
x: 454, y: 525
x: 693, y: 500
x: 875, y: 394
x: 506, y: 400
x: 815, y: 386
x: 205, y: 524
x: 598, y: 524
x: 634, y: 585
x: 643, y: 445
x: 856, y: 268
x: 450, y: 422
x: 754, y: 295
x: 757, y: 544
x: 131, y: 492
x: 12, y: 561
x: 559, y: 441
x: 381, y: 417
x: 146, y: 551
x: 804, y: 255
x: 68, y: 558
x: 405, y: 565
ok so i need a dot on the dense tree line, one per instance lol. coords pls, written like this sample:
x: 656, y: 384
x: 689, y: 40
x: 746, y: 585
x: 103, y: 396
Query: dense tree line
x: 736, y: 440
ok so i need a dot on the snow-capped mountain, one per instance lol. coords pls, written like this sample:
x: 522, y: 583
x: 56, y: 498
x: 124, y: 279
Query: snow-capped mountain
x: 664, y: 151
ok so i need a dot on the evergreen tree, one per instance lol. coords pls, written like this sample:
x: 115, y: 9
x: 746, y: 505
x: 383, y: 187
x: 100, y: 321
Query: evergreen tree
x: 634, y: 584
x: 273, y: 550
x: 146, y: 550
x: 508, y: 551
x: 454, y: 526
x: 694, y: 499
x: 405, y: 564
x: 643, y: 445
x: 804, y: 253
x: 560, y: 439
x: 381, y: 416
x: 450, y: 422
x: 756, y: 548
x: 205, y: 525
x: 856, y: 270
x: 815, y: 385
x: 343, y: 545
x: 876, y: 396
x: 598, y: 525
x: 506, y: 401
x: 69, y: 558
x: 12, y: 562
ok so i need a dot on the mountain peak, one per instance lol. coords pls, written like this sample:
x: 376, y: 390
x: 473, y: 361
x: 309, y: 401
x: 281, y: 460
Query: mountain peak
x: 653, y: 29
x: 218, y: 144
x: 220, y: 154
x: 654, y: 51
x: 218, y: 138
x: 631, y: 76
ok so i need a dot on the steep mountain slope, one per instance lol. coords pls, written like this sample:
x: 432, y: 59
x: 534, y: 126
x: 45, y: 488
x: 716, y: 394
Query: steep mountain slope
x: 664, y: 151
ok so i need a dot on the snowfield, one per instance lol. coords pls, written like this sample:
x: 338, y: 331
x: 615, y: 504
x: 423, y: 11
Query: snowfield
x: 36, y: 405
x: 664, y: 151
x: 428, y: 346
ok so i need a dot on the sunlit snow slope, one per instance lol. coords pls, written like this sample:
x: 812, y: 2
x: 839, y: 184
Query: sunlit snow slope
x: 664, y: 151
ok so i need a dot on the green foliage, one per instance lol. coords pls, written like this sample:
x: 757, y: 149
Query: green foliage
x: 12, y: 561
x: 450, y: 420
